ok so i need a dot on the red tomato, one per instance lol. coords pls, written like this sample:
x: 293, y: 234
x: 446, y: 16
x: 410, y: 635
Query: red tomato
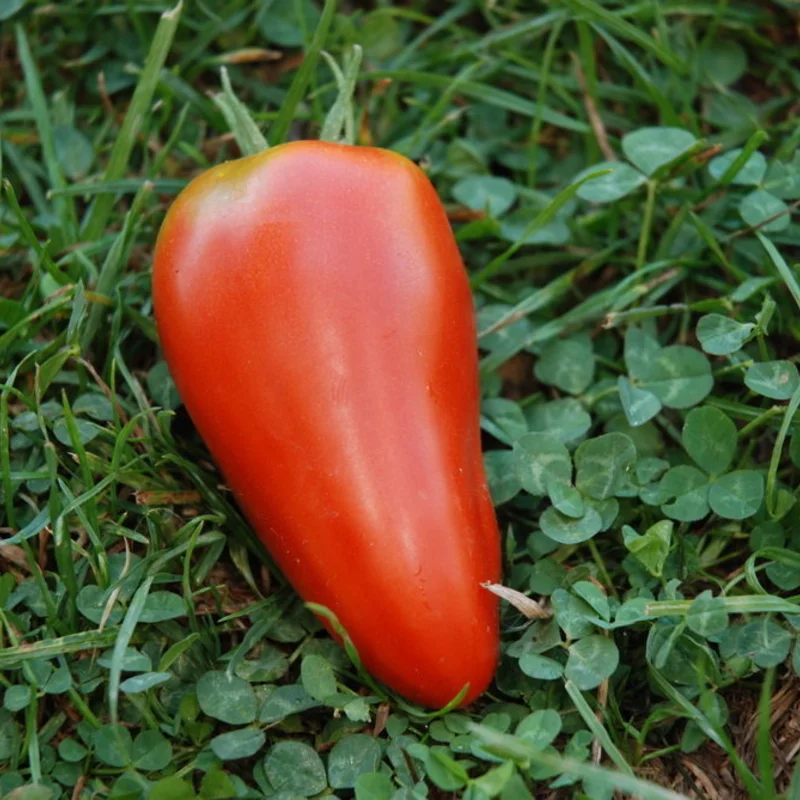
x: 317, y: 319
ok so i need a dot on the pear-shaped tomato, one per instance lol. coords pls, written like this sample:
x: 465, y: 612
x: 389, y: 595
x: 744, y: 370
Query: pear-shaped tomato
x: 316, y: 316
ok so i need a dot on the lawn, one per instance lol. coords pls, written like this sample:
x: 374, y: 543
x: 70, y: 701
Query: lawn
x: 621, y: 179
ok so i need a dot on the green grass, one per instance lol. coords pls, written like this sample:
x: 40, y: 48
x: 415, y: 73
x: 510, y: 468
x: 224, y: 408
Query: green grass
x: 622, y: 179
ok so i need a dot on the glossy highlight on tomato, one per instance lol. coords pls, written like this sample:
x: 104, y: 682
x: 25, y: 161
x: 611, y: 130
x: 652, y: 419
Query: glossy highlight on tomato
x: 316, y: 316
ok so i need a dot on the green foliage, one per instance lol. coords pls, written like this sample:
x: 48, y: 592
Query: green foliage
x: 622, y: 182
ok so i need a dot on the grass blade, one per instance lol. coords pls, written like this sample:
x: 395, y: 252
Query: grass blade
x: 45, y: 260
x: 248, y: 136
x: 484, y: 93
x: 764, y: 757
x: 124, y: 635
x: 596, y: 13
x: 113, y: 266
x: 539, y: 221
x: 49, y: 648
x: 280, y: 128
x: 777, y: 450
x: 140, y: 103
x: 64, y: 208
x: 716, y: 735
x: 788, y: 277
x: 523, y: 753
x: 597, y: 729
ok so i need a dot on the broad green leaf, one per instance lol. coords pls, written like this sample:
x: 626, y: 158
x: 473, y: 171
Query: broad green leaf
x: 31, y: 791
x: 540, y: 728
x: 486, y: 193
x: 631, y: 611
x: 621, y: 181
x: 74, y: 152
x: 764, y: 642
x: 318, y: 677
x: 9, y: 8
x: 639, y: 405
x: 226, y: 698
x: 540, y: 667
x: 67, y: 774
x: 505, y: 418
x: 783, y: 180
x: 724, y: 61
x: 689, y: 488
x: 652, y: 548
x: 59, y: 681
x: 751, y: 174
x: 9, y: 737
x: 759, y: 206
x: 650, y: 469
x: 720, y: 336
x: 131, y: 661
x: 767, y: 534
x: 161, y: 606
x: 595, y: 597
x: 271, y: 665
x: 445, y: 772
x: 709, y: 437
x: 640, y: 350
x: 113, y: 745
x: 352, y: 757
x: 564, y: 419
x: 515, y: 225
x: 506, y: 337
x: 603, y: 465
x: 737, y: 495
x: 284, y: 26
x: 96, y: 405
x: 679, y: 376
x: 382, y: 36
x: 493, y: 782
x: 651, y: 148
x: 144, y: 682
x: 87, y: 431
x: 540, y: 459
x: 567, y: 364
x: 607, y: 509
x: 240, y: 743
x: 71, y: 750
x: 678, y: 655
x: 285, y: 701
x: 151, y: 751
x: 796, y: 657
x: 567, y: 499
x: 162, y: 387
x: 591, y: 660
x: 171, y: 788
x: 572, y: 614
x: 784, y: 576
x: 217, y: 784
x: 356, y: 710
x: 546, y: 575
x: 566, y: 530
x: 16, y: 698
x: 707, y: 615
x: 731, y: 110
x: 374, y: 786
x: 777, y: 380
x: 794, y: 449
x: 294, y: 768
x: 501, y: 474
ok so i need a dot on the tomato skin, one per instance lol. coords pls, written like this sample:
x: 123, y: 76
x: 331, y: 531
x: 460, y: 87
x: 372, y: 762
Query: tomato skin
x: 316, y: 316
